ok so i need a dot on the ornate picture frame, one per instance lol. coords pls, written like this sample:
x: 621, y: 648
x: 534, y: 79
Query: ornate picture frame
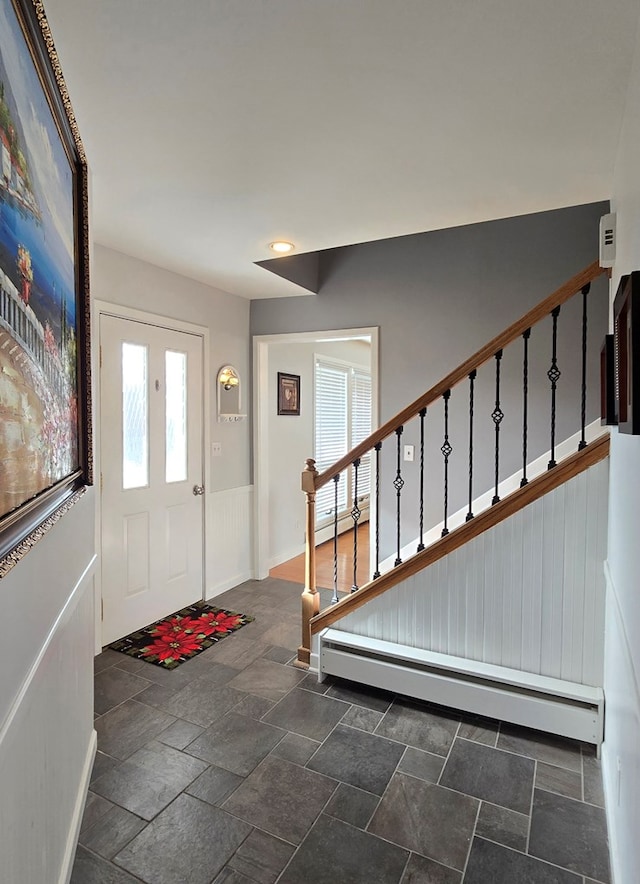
x: 45, y: 377
x: 288, y: 393
x: 626, y: 325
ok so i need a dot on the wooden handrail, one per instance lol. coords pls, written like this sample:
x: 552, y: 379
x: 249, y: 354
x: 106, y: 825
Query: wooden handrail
x: 518, y: 499
x: 564, y: 293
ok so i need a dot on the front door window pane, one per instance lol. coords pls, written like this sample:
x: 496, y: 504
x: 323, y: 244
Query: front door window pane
x: 176, y: 416
x: 135, y: 435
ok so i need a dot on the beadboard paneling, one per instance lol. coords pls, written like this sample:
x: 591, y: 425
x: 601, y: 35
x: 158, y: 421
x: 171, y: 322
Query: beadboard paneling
x: 527, y: 594
x: 229, y: 538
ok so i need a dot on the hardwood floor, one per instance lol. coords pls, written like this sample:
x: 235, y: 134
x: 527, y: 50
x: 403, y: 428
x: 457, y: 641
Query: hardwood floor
x: 294, y: 569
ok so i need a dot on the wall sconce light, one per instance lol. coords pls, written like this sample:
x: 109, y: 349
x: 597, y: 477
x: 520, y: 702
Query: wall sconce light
x: 228, y: 395
x: 228, y: 377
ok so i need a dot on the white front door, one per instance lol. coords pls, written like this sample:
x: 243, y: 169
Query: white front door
x: 151, y: 420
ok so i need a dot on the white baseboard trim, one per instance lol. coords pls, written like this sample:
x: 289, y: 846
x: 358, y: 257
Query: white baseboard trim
x: 229, y: 583
x: 326, y: 533
x: 76, y: 821
x: 291, y: 553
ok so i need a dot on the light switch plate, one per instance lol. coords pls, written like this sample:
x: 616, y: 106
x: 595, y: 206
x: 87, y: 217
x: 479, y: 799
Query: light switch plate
x: 409, y: 451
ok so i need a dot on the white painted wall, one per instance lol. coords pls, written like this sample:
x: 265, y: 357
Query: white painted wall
x: 121, y: 280
x: 621, y: 750
x: 47, y: 740
x: 291, y: 438
x: 528, y: 594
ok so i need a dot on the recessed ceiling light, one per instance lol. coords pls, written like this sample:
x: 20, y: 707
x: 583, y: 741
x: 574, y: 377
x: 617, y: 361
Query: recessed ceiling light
x: 281, y: 246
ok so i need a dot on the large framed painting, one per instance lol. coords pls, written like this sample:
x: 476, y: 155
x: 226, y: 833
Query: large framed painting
x: 45, y: 425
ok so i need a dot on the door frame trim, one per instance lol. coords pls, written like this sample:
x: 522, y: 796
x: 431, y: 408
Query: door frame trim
x: 261, y: 422
x: 119, y: 311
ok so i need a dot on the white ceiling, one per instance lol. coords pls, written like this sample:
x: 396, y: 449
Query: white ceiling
x: 213, y: 127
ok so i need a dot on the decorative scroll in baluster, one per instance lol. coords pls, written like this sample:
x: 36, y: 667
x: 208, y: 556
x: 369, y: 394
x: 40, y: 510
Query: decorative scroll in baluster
x: 472, y: 378
x: 423, y: 414
x: 554, y: 375
x: 355, y: 515
x: 398, y: 484
x: 525, y: 405
x: 376, y: 573
x: 310, y: 595
x: 334, y: 597
x: 497, y: 414
x: 446, y: 450
x: 583, y: 409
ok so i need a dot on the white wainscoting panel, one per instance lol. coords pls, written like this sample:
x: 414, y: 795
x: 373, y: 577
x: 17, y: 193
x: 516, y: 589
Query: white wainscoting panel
x: 47, y: 746
x: 229, y: 538
x: 621, y: 749
x: 528, y: 594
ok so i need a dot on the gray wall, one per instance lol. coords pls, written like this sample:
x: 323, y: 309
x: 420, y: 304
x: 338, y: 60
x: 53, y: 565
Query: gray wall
x: 437, y: 298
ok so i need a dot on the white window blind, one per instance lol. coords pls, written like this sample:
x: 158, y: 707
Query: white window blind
x: 342, y: 419
x: 361, y: 426
x: 332, y: 431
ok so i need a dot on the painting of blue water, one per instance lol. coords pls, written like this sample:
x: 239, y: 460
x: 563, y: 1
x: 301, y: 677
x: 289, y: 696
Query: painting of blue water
x: 38, y: 288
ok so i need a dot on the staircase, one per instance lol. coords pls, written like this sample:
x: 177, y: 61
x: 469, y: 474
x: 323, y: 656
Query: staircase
x: 549, y: 675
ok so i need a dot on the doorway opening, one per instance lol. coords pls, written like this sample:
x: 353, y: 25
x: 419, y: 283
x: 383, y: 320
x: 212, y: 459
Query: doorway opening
x: 283, y: 442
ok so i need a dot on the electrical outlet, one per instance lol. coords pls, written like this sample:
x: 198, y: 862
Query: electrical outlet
x: 409, y: 451
x: 216, y: 449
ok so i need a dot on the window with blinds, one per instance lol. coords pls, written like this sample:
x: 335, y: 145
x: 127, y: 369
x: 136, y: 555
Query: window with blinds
x: 342, y: 420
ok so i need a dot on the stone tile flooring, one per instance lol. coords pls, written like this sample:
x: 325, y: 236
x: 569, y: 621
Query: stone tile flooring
x: 238, y: 767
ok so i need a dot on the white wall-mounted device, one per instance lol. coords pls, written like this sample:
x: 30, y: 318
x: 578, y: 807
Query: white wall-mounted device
x: 608, y: 240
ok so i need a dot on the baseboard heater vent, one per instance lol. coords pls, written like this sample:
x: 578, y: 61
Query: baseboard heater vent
x: 537, y: 701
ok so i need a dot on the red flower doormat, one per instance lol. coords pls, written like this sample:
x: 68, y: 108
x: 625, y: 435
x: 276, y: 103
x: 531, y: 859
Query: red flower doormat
x: 183, y: 635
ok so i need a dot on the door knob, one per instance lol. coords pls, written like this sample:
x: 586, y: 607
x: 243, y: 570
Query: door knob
x: 198, y: 489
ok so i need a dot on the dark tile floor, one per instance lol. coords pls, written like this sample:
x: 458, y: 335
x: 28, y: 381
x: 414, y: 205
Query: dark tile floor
x: 238, y: 767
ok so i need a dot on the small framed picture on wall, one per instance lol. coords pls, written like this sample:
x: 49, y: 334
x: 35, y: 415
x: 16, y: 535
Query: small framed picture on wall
x: 288, y: 393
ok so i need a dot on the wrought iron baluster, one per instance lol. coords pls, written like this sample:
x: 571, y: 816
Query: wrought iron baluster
x: 497, y: 414
x: 446, y: 450
x: 355, y: 515
x: 554, y: 374
x: 423, y: 414
x: 583, y: 410
x: 376, y: 573
x: 334, y: 597
x: 525, y: 406
x: 472, y: 378
x: 398, y: 484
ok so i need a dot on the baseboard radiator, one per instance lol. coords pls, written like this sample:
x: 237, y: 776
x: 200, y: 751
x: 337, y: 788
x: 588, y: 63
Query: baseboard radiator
x: 536, y: 701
